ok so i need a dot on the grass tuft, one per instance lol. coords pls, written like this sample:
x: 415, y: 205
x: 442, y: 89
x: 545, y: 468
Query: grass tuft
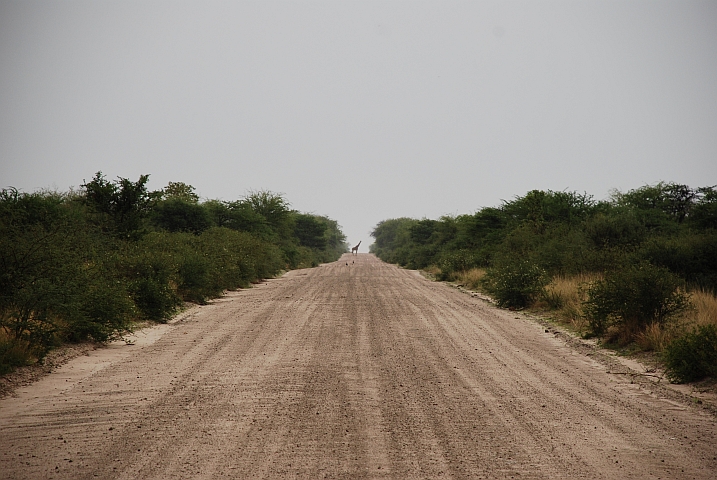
x: 654, y: 337
x: 565, y: 295
x: 705, y: 304
x: 471, y: 279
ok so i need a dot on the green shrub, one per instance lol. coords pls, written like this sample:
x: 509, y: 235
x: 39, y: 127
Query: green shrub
x: 177, y: 215
x: 43, y: 248
x: 238, y: 258
x: 691, y: 256
x: 104, y: 310
x: 515, y: 284
x: 456, y: 261
x: 692, y: 356
x: 620, y: 228
x: 150, y: 271
x: 633, y: 297
x: 195, y: 275
x: 154, y: 298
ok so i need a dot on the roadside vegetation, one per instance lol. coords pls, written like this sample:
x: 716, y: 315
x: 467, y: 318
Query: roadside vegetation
x: 89, y: 264
x: 638, y: 270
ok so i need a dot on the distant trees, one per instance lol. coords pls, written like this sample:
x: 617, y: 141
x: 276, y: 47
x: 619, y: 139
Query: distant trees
x: 668, y: 225
x: 655, y: 238
x: 88, y: 264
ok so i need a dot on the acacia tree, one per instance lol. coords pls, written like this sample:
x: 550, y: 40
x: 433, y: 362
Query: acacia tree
x: 179, y: 210
x: 122, y: 205
x: 273, y: 207
x: 310, y: 231
x: 181, y: 191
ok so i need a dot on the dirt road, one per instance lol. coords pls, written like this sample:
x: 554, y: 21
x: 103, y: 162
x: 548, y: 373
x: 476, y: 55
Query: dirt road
x: 359, y: 371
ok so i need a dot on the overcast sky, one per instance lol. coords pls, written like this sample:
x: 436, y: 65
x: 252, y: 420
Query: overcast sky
x: 361, y: 111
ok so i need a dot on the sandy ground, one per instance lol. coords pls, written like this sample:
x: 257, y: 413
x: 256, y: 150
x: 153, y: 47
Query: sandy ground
x: 359, y: 371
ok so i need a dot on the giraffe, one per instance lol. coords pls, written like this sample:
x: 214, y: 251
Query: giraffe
x: 355, y: 249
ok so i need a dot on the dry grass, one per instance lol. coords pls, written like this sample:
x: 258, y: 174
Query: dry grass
x: 432, y: 270
x: 431, y: 273
x: 705, y: 307
x: 565, y: 295
x: 471, y: 278
x: 654, y: 337
x: 702, y: 312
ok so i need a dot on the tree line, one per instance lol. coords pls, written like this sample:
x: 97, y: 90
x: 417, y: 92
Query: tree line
x: 90, y: 263
x: 645, y: 249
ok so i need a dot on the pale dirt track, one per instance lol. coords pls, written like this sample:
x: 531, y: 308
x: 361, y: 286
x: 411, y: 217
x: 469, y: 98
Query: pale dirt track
x: 365, y: 371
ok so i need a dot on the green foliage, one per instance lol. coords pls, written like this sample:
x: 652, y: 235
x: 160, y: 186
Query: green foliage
x: 105, y: 310
x: 232, y: 259
x: 539, y: 208
x: 422, y: 231
x: 393, y: 240
x: 667, y: 224
x: 456, y: 261
x: 239, y: 215
x: 335, y: 241
x: 150, y: 268
x: 86, y: 266
x: 481, y: 231
x: 310, y: 230
x: 179, y: 215
x: 673, y: 200
x: 693, y: 355
x: 618, y: 228
x: 515, y: 283
x: 53, y: 275
x: 180, y: 191
x: 691, y: 256
x: 273, y: 208
x: 120, y: 206
x: 632, y: 298
x: 703, y: 214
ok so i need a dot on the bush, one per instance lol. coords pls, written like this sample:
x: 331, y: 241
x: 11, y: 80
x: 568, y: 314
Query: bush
x: 515, y: 284
x: 457, y: 261
x: 195, y: 279
x: 150, y: 270
x: 177, y: 215
x: 692, y: 356
x: 632, y: 298
x: 104, y: 310
x: 691, y: 256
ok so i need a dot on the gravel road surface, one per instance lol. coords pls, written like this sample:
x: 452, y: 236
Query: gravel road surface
x: 358, y: 371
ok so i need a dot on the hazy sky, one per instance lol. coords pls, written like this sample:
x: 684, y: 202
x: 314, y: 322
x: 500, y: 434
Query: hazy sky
x: 362, y: 110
